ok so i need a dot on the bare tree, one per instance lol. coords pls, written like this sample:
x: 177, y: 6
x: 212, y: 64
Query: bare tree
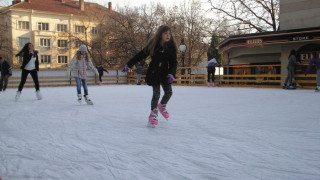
x: 248, y: 15
x: 6, y: 48
x: 192, y: 26
x: 96, y: 36
x: 133, y: 28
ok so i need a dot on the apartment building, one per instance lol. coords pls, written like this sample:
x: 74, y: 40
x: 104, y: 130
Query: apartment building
x: 56, y: 27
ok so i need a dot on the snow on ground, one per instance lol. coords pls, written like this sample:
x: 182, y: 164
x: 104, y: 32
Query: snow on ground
x: 213, y: 133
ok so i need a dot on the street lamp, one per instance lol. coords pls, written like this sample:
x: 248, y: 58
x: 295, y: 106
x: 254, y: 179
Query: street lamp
x: 182, y: 49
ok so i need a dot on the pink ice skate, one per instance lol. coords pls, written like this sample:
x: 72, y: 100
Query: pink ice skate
x: 153, y: 121
x: 208, y: 84
x: 163, y: 110
x: 212, y: 84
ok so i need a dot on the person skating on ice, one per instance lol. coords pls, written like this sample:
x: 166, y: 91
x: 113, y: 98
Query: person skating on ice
x: 100, y: 71
x: 315, y: 60
x: 211, y: 70
x: 30, y: 64
x: 161, y: 71
x: 6, y: 72
x: 292, y: 62
x: 77, y: 68
x: 139, y: 70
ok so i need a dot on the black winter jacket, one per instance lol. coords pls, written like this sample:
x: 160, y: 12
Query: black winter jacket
x: 163, y: 62
x: 27, y: 57
x: 100, y: 70
x: 5, y: 68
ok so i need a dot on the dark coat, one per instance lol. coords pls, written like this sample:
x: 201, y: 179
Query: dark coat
x: 139, y: 69
x: 292, y: 62
x: 100, y: 70
x: 163, y: 62
x: 5, y: 68
x: 27, y: 57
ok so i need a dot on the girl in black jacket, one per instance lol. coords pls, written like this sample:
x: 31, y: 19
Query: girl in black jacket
x: 161, y: 70
x: 30, y: 64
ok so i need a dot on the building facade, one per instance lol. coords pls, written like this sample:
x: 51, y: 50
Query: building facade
x: 56, y: 28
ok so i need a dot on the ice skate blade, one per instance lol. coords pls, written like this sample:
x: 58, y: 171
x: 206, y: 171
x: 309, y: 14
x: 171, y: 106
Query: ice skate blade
x: 89, y: 103
x: 151, y: 125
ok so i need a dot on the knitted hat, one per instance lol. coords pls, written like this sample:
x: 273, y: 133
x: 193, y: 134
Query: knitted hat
x: 83, y: 48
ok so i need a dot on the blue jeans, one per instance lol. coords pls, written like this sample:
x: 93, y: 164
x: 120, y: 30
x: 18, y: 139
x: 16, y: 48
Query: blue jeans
x: 84, y: 84
x: 139, y: 78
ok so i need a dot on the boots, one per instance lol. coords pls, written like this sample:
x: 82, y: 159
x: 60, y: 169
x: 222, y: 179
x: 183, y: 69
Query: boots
x: 18, y: 95
x: 284, y: 86
x: 163, y: 110
x: 88, y: 100
x: 79, y: 98
x: 153, y: 118
x: 38, y: 94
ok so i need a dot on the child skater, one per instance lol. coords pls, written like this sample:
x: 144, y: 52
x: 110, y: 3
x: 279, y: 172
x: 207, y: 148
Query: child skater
x: 161, y: 70
x: 100, y: 71
x: 315, y: 60
x: 30, y: 64
x: 78, y: 66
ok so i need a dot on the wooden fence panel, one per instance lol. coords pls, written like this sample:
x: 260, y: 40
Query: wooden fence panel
x: 221, y: 79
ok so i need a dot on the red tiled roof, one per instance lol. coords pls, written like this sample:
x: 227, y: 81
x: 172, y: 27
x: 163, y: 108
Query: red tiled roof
x: 56, y: 6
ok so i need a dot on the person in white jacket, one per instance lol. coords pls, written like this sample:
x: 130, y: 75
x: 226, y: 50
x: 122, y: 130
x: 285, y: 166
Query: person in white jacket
x: 77, y: 68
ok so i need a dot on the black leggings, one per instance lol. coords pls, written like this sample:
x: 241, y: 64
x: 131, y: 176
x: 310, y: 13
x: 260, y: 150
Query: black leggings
x: 211, y: 74
x: 100, y: 76
x: 24, y: 75
x: 156, y: 95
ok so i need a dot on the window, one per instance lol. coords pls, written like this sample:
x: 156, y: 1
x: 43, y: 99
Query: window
x: 23, y: 41
x: 94, y: 30
x: 45, y: 59
x: 80, y: 29
x: 77, y: 44
x: 62, y: 59
x: 62, y: 43
x: 43, y: 26
x: 62, y: 28
x: 44, y: 42
x: 23, y: 25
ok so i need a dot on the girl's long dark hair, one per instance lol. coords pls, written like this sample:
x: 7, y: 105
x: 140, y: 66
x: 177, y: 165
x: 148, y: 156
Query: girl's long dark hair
x: 24, y: 50
x: 293, y: 52
x: 157, y: 38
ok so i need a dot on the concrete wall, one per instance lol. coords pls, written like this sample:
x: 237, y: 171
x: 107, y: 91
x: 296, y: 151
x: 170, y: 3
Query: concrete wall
x: 296, y: 14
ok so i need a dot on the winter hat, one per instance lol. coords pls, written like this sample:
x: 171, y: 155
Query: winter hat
x: 83, y: 48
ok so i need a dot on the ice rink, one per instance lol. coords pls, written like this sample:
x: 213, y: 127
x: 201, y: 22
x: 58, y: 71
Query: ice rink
x: 213, y: 133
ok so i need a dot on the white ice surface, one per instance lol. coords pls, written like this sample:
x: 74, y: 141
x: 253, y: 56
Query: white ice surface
x: 213, y: 133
